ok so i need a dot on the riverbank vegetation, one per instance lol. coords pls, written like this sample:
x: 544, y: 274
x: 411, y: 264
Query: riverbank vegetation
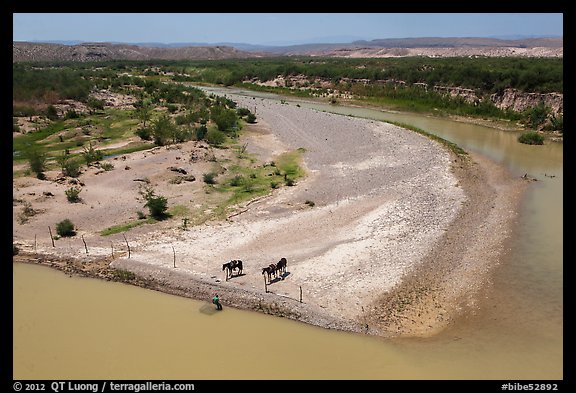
x: 69, y: 119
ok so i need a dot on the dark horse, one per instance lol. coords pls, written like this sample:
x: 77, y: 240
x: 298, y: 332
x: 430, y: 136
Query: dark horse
x: 269, y: 270
x: 229, y: 267
x: 281, y: 265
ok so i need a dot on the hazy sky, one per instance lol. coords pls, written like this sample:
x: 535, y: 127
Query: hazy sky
x: 277, y: 28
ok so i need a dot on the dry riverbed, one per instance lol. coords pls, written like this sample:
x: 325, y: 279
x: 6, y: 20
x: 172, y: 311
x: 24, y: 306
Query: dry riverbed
x: 400, y: 239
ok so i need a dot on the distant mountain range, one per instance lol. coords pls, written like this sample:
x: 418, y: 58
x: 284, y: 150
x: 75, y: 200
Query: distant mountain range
x: 456, y: 46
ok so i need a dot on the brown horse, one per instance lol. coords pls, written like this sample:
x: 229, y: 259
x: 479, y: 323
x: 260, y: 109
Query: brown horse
x: 269, y: 270
x: 281, y: 265
x: 229, y: 267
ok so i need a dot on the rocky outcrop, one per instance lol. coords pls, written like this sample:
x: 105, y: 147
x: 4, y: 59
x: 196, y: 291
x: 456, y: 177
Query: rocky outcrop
x: 469, y: 95
x: 509, y: 99
x: 519, y: 101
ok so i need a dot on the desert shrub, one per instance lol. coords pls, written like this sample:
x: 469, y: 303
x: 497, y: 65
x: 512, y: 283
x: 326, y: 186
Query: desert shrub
x: 92, y: 155
x: 107, y: 166
x: 236, y: 181
x: 144, y: 133
x: 71, y: 168
x: 141, y: 215
x: 251, y: 118
x: 26, y: 213
x: 73, y: 194
x: 65, y: 228
x: 71, y: 114
x: 37, y: 162
x: 215, y: 137
x: 52, y: 112
x: 537, y: 115
x: 243, y: 111
x: 531, y: 138
x: 157, y: 205
x: 201, y: 132
x: 209, y: 178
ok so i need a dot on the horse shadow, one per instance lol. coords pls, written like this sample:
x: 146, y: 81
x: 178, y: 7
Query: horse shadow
x: 236, y: 275
x: 280, y: 278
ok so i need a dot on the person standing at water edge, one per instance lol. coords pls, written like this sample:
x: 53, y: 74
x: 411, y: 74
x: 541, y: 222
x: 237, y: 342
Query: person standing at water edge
x: 216, y: 301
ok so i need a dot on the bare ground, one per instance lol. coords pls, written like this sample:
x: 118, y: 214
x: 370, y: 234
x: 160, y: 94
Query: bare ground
x: 402, y: 235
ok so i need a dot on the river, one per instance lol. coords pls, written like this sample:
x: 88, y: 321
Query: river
x: 78, y: 328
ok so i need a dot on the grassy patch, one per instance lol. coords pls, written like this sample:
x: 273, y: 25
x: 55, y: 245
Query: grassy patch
x: 179, y: 211
x: 125, y: 227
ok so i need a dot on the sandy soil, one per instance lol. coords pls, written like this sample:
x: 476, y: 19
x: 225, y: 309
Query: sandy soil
x: 401, y: 238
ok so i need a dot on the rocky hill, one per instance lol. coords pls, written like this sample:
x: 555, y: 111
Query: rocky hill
x: 431, y: 47
x: 26, y: 51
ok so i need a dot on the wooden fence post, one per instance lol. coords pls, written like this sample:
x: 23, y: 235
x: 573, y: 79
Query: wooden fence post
x: 127, y: 245
x: 85, y: 246
x: 174, y: 252
x: 51, y: 237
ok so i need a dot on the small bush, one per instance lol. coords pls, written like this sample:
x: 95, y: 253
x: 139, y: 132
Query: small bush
x: 92, y: 155
x: 274, y: 184
x: 141, y: 215
x: 26, y: 213
x: 236, y: 181
x: 215, y: 137
x: 73, y: 194
x: 209, y: 178
x: 37, y: 161
x: 201, y: 132
x: 157, y: 205
x: 71, y: 114
x: 71, y: 168
x: 52, y: 112
x: 251, y: 118
x: 107, y: 166
x: 65, y: 228
x: 531, y: 138
x: 243, y: 111
x: 144, y: 133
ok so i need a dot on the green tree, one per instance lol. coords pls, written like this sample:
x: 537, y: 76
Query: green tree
x: 225, y: 119
x: 163, y: 130
x: 37, y: 161
x: 143, y: 113
x: 95, y: 105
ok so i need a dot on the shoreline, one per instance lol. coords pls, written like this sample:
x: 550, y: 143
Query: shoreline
x: 434, y: 289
